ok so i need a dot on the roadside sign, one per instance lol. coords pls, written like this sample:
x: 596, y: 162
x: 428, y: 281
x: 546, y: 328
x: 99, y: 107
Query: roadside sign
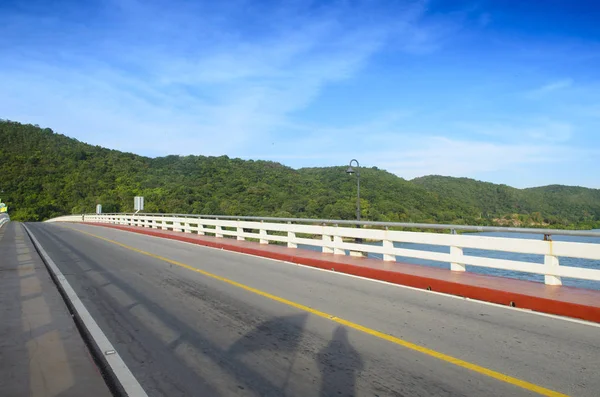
x: 138, y: 203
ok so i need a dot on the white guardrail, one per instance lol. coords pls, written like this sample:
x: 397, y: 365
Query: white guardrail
x: 4, y: 218
x: 333, y: 239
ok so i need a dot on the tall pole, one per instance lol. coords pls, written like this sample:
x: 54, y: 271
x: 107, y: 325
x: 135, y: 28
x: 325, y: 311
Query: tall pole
x: 357, y: 172
x: 357, y: 195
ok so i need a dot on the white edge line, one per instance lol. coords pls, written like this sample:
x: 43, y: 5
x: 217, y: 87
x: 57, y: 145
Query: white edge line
x: 497, y: 305
x: 128, y: 382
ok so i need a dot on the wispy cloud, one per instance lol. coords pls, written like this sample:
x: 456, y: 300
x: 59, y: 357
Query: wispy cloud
x: 384, y: 142
x: 452, y: 157
x: 549, y: 88
x: 532, y: 130
x: 210, y: 78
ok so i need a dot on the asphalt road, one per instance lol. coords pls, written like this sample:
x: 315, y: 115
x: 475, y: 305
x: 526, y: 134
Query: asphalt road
x: 184, y: 333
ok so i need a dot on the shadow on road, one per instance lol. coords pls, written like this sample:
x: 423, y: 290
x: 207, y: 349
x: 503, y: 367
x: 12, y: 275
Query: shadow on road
x: 176, y: 357
x: 339, y: 364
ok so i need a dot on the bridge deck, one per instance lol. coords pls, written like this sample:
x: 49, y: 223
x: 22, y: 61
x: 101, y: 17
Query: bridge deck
x: 41, y: 350
x: 190, y: 320
x: 560, y: 300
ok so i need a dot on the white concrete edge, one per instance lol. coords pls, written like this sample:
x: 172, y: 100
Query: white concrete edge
x: 118, y: 367
x: 424, y: 291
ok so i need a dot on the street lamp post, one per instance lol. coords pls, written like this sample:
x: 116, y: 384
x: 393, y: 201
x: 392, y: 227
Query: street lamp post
x: 355, y: 170
x: 351, y: 170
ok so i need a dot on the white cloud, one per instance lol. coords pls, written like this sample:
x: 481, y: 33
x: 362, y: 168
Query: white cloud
x: 192, y: 78
x: 452, y: 157
x: 534, y: 130
x: 549, y: 88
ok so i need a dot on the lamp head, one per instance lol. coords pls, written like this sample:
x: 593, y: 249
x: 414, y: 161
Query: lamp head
x: 350, y: 170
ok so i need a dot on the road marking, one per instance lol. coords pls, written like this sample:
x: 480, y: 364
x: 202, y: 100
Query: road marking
x: 409, y: 345
x: 124, y: 376
x: 420, y: 290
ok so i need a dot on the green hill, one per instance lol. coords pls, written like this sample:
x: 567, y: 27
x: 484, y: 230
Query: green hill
x: 552, y: 205
x: 44, y: 174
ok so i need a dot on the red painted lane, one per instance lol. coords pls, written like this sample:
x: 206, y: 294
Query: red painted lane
x: 560, y: 300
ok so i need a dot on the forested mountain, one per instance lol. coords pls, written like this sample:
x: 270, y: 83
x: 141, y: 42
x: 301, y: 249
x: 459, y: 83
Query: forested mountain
x: 44, y: 174
x: 553, y: 204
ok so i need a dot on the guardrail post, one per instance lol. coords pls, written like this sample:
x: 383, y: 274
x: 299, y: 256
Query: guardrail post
x: 327, y: 244
x: 337, y: 243
x: 163, y: 224
x: 551, y: 264
x: 240, y: 231
x: 291, y: 239
x: 200, y: 227
x: 264, y: 239
x: 456, y: 253
x: 388, y: 246
x: 218, y: 230
x: 456, y: 265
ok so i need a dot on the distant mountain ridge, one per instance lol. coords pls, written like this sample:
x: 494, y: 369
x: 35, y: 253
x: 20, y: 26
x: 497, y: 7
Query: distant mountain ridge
x: 552, y: 202
x: 44, y: 174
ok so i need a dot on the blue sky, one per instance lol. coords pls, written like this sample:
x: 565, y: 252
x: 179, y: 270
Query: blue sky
x: 502, y: 91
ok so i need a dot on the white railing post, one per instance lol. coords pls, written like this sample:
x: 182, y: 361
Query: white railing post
x: 187, y: 226
x: 200, y: 227
x: 163, y: 224
x: 218, y: 231
x: 240, y: 231
x: 326, y: 244
x: 337, y: 243
x: 291, y: 237
x: 551, y: 263
x: 388, y: 245
x: 263, y: 234
x: 456, y: 253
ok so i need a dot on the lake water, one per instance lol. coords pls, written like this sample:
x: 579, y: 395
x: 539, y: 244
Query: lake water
x: 564, y: 261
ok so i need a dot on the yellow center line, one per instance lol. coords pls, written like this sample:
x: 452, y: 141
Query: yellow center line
x: 432, y: 353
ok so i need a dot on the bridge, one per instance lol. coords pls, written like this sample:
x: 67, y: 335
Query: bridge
x: 184, y: 305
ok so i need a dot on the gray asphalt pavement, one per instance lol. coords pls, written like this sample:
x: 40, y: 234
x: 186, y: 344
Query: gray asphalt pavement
x: 185, y: 334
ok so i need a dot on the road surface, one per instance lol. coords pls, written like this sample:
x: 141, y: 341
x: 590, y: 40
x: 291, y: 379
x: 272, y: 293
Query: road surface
x: 196, y: 321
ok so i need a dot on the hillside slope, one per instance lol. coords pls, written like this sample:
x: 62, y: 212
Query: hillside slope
x: 555, y: 204
x: 44, y: 174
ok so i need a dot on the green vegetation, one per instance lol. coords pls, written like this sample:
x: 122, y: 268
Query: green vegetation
x: 44, y: 174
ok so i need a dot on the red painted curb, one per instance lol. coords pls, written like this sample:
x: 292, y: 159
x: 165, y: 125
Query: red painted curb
x: 581, y: 310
